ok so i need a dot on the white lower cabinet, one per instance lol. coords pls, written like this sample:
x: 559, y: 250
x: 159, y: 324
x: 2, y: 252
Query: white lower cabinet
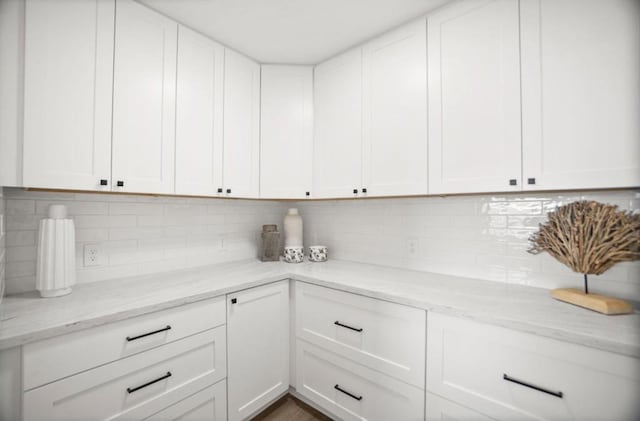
x: 357, y: 357
x: 258, y: 338
x: 512, y: 375
x: 352, y: 391
x: 134, y: 387
x: 386, y: 337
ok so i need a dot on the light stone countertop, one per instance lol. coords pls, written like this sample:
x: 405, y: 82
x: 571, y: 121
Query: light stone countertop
x: 26, y: 318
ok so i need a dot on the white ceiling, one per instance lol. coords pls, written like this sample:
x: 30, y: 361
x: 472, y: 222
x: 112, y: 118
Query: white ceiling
x: 292, y: 31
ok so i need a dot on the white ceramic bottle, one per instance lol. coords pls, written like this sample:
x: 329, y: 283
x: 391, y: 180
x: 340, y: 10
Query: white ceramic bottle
x: 293, y: 228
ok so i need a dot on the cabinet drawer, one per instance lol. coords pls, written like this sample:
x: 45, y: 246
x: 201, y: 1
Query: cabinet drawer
x: 48, y: 360
x: 383, y: 336
x: 352, y: 391
x: 512, y: 375
x: 209, y: 404
x: 134, y: 386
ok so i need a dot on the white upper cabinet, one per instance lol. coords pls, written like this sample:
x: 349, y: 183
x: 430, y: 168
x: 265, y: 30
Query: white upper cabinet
x: 337, y: 145
x: 67, y: 94
x: 199, y: 100
x: 394, y: 154
x: 580, y: 85
x: 286, y: 132
x: 474, y: 97
x: 144, y: 100
x: 241, y: 126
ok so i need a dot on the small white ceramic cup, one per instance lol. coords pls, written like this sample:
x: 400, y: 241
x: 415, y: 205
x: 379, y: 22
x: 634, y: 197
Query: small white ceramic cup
x: 293, y: 254
x: 318, y: 253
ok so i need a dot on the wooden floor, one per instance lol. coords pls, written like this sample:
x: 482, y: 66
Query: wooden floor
x: 290, y: 409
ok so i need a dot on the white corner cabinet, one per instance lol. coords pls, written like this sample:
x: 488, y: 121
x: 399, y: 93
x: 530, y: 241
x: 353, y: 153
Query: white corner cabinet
x: 533, y: 95
x: 371, y: 118
x: 286, y: 132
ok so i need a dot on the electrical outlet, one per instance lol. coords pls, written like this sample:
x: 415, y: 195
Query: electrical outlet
x: 412, y: 246
x: 93, y: 255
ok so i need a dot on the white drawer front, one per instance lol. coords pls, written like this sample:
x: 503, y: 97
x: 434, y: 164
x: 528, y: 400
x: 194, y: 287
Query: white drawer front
x: 49, y: 360
x: 388, y: 337
x: 209, y: 404
x: 108, y: 392
x: 467, y: 363
x: 439, y: 409
x: 352, y: 391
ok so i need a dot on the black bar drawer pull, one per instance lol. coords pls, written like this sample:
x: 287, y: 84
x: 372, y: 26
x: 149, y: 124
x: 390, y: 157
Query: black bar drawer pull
x: 133, y: 338
x: 532, y: 386
x: 338, y: 388
x: 142, y: 386
x: 357, y: 329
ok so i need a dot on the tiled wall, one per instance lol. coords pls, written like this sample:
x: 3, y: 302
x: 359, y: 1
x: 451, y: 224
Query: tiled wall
x: 2, y: 246
x: 483, y: 236
x: 137, y: 234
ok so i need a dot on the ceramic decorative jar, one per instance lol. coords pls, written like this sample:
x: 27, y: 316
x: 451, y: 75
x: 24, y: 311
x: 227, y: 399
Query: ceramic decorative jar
x: 293, y: 254
x: 318, y: 253
x: 293, y: 229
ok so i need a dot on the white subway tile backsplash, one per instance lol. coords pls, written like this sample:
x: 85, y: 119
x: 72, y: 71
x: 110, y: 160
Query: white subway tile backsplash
x: 478, y: 236
x: 138, y: 234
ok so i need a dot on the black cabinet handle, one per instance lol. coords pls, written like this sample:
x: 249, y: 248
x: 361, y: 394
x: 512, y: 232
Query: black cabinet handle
x: 103, y: 182
x: 234, y: 300
x: 364, y: 190
x: 228, y: 190
x: 532, y: 386
x: 142, y: 386
x: 531, y: 181
x: 133, y: 338
x: 220, y: 190
x: 357, y: 329
x: 513, y: 182
x: 120, y: 183
x: 355, y: 191
x: 307, y: 194
x: 338, y: 388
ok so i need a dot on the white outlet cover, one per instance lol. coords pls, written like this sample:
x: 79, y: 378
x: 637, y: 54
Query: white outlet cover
x: 94, y: 255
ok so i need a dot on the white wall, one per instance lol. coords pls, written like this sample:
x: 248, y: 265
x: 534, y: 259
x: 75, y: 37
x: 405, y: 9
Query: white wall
x: 138, y: 234
x: 480, y: 236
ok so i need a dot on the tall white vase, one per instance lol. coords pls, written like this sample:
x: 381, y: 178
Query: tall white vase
x: 293, y: 229
x: 56, y: 265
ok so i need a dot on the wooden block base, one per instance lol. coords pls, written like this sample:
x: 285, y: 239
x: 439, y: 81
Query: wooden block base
x: 595, y: 302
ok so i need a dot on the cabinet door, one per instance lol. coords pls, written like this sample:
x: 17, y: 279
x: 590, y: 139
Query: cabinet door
x: 286, y: 131
x: 144, y: 100
x: 337, y: 145
x: 394, y: 154
x: 580, y: 84
x: 241, y: 126
x: 67, y: 93
x: 474, y: 97
x: 199, y: 99
x: 258, y: 343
